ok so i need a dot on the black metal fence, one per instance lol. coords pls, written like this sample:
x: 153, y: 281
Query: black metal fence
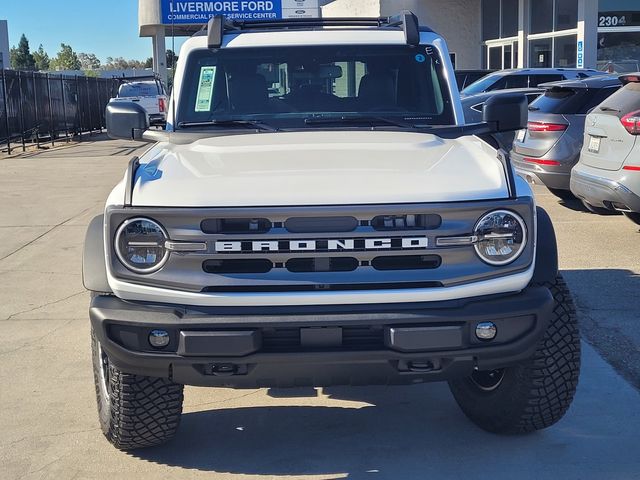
x: 38, y: 107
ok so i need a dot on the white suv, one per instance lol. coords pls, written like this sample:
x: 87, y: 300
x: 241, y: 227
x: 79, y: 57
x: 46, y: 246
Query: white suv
x: 608, y: 173
x: 317, y: 214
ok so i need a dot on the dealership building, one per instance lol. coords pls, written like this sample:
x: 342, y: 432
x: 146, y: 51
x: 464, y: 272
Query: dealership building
x: 495, y: 34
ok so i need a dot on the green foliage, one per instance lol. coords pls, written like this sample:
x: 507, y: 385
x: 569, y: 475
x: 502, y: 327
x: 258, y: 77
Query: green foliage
x: 67, y: 59
x: 89, y: 61
x: 21, y: 57
x: 42, y: 60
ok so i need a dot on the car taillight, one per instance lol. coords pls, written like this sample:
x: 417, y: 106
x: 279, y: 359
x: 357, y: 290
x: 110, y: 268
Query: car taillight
x: 161, y: 105
x: 538, y: 161
x: 546, y: 127
x: 631, y: 121
x: 633, y: 168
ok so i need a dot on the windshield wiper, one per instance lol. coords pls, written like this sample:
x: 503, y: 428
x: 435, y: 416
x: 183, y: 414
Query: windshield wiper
x: 609, y: 109
x: 230, y: 123
x: 534, y: 109
x: 347, y: 119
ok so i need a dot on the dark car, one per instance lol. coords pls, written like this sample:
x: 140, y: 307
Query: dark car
x: 526, y: 78
x: 472, y: 106
x: 548, y: 149
x: 464, y: 78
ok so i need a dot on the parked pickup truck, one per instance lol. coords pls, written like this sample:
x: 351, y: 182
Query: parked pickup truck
x: 318, y: 213
x: 149, y: 94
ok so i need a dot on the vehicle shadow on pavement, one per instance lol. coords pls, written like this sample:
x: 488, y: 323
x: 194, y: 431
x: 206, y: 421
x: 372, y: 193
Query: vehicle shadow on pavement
x: 401, y: 433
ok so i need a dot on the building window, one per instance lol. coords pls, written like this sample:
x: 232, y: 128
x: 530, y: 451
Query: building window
x: 566, y: 14
x: 540, y: 53
x: 490, y: 19
x: 506, y: 56
x: 541, y: 16
x: 565, y: 51
x: 495, y: 58
x: 510, y: 20
x: 619, y: 51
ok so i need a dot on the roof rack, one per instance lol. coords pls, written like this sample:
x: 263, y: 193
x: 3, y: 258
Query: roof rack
x: 406, y: 20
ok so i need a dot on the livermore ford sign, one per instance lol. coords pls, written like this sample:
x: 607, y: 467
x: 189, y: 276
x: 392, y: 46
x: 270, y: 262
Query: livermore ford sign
x: 200, y: 11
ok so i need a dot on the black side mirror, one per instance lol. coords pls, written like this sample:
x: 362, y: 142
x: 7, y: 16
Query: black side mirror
x: 126, y: 121
x: 506, y: 112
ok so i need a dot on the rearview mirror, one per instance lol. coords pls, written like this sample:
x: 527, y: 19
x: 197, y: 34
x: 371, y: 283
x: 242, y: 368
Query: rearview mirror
x: 507, y: 112
x: 126, y: 121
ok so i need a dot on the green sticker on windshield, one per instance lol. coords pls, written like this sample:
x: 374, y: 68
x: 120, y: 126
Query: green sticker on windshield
x: 205, y: 89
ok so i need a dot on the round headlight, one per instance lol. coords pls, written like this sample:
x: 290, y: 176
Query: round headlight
x: 139, y: 245
x: 502, y: 236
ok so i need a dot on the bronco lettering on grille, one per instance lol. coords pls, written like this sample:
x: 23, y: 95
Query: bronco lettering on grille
x: 322, y: 245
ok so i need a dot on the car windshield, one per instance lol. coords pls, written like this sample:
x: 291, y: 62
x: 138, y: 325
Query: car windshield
x: 308, y: 86
x: 482, y: 85
x: 139, y: 89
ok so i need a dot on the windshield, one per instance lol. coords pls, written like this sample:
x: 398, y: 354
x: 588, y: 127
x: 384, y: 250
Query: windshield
x: 299, y: 87
x: 482, y: 85
x: 139, y: 89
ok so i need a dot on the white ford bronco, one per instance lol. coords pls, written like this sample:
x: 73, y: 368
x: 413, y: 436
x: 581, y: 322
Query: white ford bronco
x: 317, y: 213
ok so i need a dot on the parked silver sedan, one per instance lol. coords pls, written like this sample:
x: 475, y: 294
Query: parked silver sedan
x: 548, y: 149
x: 608, y: 173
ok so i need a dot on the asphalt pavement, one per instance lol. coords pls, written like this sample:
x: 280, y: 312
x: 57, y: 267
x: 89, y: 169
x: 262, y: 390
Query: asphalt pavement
x: 48, y: 420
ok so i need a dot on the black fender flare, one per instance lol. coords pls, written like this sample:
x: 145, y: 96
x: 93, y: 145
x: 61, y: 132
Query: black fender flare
x: 94, y: 268
x: 546, y: 268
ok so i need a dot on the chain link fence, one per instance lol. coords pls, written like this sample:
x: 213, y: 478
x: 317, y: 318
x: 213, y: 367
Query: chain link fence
x: 39, y: 107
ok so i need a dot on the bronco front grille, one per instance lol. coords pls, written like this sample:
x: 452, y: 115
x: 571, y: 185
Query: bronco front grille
x: 314, y: 249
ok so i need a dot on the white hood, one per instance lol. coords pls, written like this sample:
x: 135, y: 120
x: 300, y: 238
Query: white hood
x: 318, y: 168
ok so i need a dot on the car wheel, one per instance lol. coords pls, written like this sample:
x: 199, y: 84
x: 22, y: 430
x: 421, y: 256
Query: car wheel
x: 562, y: 194
x: 633, y: 216
x: 536, y: 393
x: 135, y: 411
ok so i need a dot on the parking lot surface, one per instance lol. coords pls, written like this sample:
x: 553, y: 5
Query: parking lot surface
x: 48, y: 418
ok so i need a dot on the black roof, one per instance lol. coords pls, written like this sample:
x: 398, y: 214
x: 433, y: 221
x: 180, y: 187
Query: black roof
x: 598, y: 81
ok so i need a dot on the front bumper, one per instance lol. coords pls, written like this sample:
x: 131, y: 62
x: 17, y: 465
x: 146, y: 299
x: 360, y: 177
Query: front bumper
x: 601, y: 191
x: 246, y: 347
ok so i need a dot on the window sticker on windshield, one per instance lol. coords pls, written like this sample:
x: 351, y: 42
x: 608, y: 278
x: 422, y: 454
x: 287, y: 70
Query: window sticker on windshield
x: 205, y: 89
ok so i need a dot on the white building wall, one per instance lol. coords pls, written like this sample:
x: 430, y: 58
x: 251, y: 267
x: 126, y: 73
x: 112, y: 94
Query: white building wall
x: 457, y: 20
x: 5, y: 61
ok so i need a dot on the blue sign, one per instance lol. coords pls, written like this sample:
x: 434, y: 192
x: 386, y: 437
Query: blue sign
x: 580, y: 54
x: 201, y: 11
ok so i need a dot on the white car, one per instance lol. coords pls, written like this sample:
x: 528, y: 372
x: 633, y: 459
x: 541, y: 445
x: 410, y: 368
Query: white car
x: 608, y: 173
x: 149, y: 94
x: 318, y: 214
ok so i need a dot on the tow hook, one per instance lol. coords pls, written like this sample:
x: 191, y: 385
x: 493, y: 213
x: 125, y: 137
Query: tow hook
x: 421, y: 366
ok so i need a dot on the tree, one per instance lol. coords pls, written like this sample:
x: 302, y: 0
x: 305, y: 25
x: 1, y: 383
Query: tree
x: 41, y: 59
x: 148, y: 63
x: 21, y: 57
x: 67, y: 59
x: 172, y: 59
x: 89, y: 61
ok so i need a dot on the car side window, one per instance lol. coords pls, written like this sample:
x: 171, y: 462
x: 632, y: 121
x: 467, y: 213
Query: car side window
x: 516, y: 81
x: 499, y: 85
x: 535, y: 80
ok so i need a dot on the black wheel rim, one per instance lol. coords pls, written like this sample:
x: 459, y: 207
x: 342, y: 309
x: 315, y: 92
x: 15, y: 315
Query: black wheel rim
x: 488, y: 380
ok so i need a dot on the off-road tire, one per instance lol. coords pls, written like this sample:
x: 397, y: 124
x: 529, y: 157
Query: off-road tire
x: 536, y: 393
x: 562, y: 194
x: 633, y: 216
x: 135, y: 411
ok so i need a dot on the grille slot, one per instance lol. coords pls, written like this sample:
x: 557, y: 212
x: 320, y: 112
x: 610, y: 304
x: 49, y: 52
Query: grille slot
x: 322, y: 264
x: 353, y: 338
x: 337, y: 287
x: 235, y: 226
x: 390, y: 223
x: 238, y: 266
x: 321, y: 224
x: 407, y: 262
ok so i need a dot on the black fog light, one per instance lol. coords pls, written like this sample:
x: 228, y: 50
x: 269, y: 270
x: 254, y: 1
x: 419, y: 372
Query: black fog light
x: 159, y: 338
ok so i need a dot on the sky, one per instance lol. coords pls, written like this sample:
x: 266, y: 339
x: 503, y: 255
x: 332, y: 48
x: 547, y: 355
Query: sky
x: 108, y: 28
